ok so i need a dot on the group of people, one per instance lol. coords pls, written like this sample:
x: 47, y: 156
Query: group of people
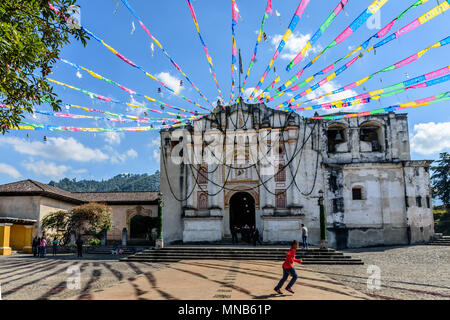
x: 252, y: 235
x: 39, y: 246
x: 248, y: 234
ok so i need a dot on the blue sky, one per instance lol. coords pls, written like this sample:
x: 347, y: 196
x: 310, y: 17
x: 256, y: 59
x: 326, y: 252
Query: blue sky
x: 101, y: 156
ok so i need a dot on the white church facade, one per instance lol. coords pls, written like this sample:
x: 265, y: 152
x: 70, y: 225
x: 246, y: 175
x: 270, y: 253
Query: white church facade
x: 249, y: 164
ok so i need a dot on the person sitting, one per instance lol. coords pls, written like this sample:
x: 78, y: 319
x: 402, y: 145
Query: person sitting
x: 116, y: 250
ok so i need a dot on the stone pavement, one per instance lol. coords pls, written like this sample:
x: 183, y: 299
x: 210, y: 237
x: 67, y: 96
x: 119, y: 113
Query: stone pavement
x: 223, y: 280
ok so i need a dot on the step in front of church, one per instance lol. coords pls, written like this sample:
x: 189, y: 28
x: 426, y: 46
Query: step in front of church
x: 269, y: 253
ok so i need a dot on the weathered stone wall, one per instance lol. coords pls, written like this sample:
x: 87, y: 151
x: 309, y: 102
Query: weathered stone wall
x: 20, y: 207
x: 419, y: 210
x: 381, y: 169
x: 171, y: 176
x: 46, y: 206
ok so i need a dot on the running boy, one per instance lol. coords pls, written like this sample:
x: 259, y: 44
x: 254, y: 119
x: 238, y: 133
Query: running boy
x: 288, y: 269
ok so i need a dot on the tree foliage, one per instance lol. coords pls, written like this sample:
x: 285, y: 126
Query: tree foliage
x: 91, y: 218
x: 440, y: 178
x: 31, y: 37
x: 87, y: 219
x: 121, y: 182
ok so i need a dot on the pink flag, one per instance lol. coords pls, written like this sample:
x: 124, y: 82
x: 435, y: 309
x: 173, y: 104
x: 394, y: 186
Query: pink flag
x: 235, y: 11
x: 269, y: 7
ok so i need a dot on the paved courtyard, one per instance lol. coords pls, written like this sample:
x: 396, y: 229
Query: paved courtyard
x: 407, y: 272
x: 416, y: 272
x: 102, y: 277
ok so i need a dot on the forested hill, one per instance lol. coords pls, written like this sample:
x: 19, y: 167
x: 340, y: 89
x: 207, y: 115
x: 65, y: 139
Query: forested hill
x: 121, y: 182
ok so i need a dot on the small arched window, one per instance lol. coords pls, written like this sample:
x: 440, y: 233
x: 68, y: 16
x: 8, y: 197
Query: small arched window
x: 337, y: 134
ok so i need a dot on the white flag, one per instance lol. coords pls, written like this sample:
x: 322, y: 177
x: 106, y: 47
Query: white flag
x: 278, y: 15
x: 132, y: 27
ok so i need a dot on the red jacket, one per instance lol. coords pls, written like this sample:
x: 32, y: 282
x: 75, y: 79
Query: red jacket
x: 290, y: 259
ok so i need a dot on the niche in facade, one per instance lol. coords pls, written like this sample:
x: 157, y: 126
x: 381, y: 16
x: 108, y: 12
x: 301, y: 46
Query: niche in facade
x: 337, y: 136
x: 370, y: 137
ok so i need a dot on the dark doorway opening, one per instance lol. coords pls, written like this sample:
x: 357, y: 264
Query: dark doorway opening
x: 141, y: 227
x: 242, y: 210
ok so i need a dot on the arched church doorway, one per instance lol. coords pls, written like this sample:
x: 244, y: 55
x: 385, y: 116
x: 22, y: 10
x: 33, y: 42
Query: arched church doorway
x: 141, y: 227
x: 242, y: 210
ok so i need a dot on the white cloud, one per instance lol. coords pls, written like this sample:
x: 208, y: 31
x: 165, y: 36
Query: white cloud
x: 132, y: 153
x: 114, y: 137
x: 329, y: 87
x: 47, y: 169
x: 116, y: 157
x: 136, y: 110
x: 295, y: 44
x: 9, y: 170
x: 248, y: 92
x: 430, y: 137
x: 155, y: 143
x: 55, y: 148
x: 156, y: 155
x: 171, y: 81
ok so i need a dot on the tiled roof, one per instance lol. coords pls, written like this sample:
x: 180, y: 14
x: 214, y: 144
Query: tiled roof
x: 117, y: 196
x: 31, y: 187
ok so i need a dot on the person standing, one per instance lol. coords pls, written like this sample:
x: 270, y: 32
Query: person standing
x: 55, y: 243
x: 79, y: 244
x: 288, y: 269
x: 39, y: 247
x: 304, y: 236
x: 43, y: 247
x: 255, y: 236
x: 246, y: 233
x: 234, y: 236
x: 35, y: 244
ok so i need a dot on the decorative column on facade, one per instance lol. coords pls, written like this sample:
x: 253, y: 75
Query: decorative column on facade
x: 27, y: 239
x: 213, y: 183
x: 354, y: 133
x: 216, y: 208
x: 189, y: 186
x: 5, y: 232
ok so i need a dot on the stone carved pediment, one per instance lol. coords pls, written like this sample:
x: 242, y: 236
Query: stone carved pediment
x: 138, y: 211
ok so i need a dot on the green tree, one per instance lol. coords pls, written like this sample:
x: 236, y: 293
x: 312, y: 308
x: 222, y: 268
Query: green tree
x: 31, y: 37
x: 91, y: 219
x: 86, y: 219
x: 440, y: 178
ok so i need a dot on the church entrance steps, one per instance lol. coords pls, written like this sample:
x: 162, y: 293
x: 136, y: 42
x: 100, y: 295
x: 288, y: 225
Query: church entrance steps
x: 177, y: 253
x: 444, y: 241
x: 440, y: 240
x: 107, y: 250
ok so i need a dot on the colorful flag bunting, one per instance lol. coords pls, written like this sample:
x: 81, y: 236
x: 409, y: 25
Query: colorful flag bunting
x: 292, y: 25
